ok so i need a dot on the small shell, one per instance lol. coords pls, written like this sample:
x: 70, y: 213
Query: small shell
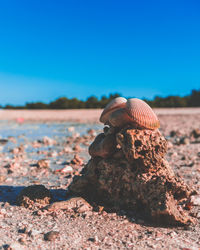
x: 103, y: 146
x: 117, y: 103
x: 119, y: 118
x: 141, y: 114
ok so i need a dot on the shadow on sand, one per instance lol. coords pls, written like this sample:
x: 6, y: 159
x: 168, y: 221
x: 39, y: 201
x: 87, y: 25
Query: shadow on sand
x: 9, y: 194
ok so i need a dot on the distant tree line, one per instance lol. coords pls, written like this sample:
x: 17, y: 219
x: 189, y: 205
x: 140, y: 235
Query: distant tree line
x: 192, y: 100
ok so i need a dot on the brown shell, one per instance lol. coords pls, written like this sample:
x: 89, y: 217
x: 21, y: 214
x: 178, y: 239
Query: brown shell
x: 117, y: 103
x: 118, y: 118
x: 103, y: 146
x: 141, y: 114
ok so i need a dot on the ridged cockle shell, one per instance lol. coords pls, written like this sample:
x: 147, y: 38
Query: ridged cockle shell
x: 141, y: 114
x: 117, y: 103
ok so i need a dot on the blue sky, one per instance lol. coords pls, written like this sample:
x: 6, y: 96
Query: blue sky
x: 76, y: 48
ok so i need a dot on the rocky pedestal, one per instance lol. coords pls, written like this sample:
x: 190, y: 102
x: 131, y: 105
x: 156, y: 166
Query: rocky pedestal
x: 135, y: 176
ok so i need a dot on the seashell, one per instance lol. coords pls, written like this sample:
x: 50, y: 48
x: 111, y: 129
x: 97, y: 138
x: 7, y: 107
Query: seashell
x: 103, y: 146
x: 117, y: 103
x: 109, y: 130
x: 118, y: 118
x: 141, y: 114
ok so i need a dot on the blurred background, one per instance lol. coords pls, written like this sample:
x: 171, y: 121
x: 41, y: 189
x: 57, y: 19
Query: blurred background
x: 81, y: 54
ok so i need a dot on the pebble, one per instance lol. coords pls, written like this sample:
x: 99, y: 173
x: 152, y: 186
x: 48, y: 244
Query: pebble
x: 48, y: 141
x: 185, y: 141
x: 51, y: 236
x: 53, y: 154
x: 66, y: 170
x: 43, y: 163
x: 174, y: 133
x: 22, y: 240
x: 3, y: 141
x: 77, y: 160
x: 195, y: 200
x: 196, y: 133
x: 77, y: 148
x: 92, y: 132
x: 71, y: 129
x: 94, y: 239
x: 67, y: 150
x: 75, y: 135
x: 2, y: 178
x: 173, y: 234
x: 169, y: 145
x: 174, y: 154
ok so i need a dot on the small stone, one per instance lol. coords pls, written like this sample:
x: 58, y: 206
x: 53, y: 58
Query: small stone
x: 77, y: 160
x: 52, y: 154
x: 174, y: 154
x: 34, y: 194
x: 18, y: 150
x: 174, y: 133
x: 173, y: 234
x: 48, y: 141
x: 195, y: 200
x: 3, y: 141
x: 12, y: 165
x: 2, y: 178
x: 75, y: 204
x: 66, y: 170
x: 93, y: 239
x: 71, y: 129
x: 103, y: 146
x: 67, y: 150
x: 3, y: 211
x: 22, y: 240
x: 9, y: 180
x: 196, y: 133
x: 43, y: 163
x: 77, y: 148
x: 169, y: 145
x: 91, y: 132
x: 36, y: 144
x: 51, y: 236
x: 185, y: 141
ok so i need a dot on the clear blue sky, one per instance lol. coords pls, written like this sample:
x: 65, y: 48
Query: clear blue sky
x: 77, y: 48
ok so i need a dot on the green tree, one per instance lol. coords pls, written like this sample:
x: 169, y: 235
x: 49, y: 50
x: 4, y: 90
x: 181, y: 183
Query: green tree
x: 194, y: 99
x: 60, y: 103
x: 36, y: 105
x: 92, y: 102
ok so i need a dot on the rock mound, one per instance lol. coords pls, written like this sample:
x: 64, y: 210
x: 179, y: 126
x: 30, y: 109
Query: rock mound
x: 135, y: 176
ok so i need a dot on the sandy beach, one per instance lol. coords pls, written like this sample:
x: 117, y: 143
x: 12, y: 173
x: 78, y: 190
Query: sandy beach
x: 36, y: 146
x: 79, y: 115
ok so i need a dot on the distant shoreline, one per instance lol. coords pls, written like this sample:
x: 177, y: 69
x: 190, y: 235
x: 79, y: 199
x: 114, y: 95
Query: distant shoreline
x: 77, y: 115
